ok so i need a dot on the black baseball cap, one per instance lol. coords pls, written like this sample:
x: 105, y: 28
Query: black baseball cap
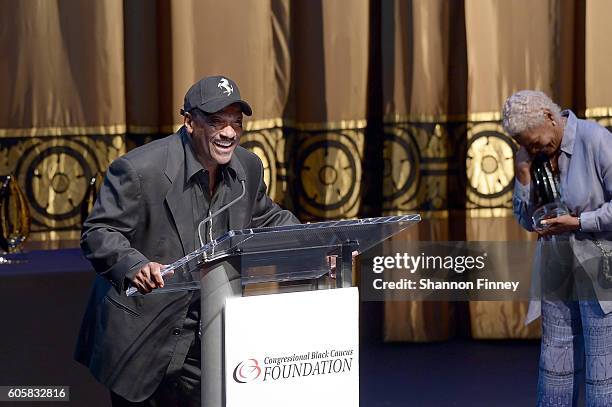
x: 213, y: 93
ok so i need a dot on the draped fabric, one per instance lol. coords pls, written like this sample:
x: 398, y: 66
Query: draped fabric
x: 361, y: 107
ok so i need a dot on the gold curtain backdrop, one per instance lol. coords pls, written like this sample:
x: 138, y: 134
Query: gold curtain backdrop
x: 361, y: 107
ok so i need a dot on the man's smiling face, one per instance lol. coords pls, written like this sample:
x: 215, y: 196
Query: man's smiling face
x: 214, y: 136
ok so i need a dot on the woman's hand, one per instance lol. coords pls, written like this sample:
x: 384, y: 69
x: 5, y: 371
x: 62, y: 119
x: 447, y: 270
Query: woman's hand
x: 523, y: 166
x: 559, y: 225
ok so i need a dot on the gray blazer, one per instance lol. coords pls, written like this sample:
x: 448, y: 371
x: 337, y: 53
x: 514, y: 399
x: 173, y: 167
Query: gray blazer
x: 144, y: 213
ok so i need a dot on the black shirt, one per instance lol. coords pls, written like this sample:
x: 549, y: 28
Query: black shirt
x: 197, y: 179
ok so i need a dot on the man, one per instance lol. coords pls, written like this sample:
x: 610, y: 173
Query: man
x: 146, y: 348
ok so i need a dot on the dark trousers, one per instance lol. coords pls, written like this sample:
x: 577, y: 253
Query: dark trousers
x: 180, y: 387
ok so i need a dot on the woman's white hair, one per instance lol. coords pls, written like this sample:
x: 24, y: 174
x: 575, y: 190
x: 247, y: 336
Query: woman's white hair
x: 525, y: 110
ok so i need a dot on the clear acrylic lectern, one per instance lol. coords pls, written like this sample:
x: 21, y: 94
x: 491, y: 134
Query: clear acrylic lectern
x: 268, y: 260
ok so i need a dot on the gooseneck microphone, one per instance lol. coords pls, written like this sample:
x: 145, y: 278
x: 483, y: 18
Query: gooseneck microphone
x: 133, y: 290
x: 223, y: 208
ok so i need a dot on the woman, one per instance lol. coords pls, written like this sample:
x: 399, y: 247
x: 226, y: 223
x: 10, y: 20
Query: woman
x: 576, y: 335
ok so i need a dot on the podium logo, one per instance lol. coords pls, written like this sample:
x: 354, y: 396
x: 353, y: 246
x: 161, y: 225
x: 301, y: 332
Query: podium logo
x: 295, y: 366
x: 247, y: 371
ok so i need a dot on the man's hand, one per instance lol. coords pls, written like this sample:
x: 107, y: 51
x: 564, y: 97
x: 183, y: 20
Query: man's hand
x: 148, y: 278
x: 523, y: 166
x: 559, y: 225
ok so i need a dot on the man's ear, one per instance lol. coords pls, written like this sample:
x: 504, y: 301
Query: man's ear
x: 188, y: 122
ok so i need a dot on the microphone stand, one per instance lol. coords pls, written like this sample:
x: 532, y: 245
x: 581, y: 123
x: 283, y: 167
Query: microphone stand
x: 223, y: 208
x: 133, y: 290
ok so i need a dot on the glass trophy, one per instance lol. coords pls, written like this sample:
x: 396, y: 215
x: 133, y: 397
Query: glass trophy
x: 15, y: 221
x: 547, y: 196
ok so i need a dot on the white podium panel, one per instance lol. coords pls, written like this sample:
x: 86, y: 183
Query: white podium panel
x: 293, y: 349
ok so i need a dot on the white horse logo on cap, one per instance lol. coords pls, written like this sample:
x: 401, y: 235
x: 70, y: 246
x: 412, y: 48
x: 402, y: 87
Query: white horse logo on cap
x: 224, y: 84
